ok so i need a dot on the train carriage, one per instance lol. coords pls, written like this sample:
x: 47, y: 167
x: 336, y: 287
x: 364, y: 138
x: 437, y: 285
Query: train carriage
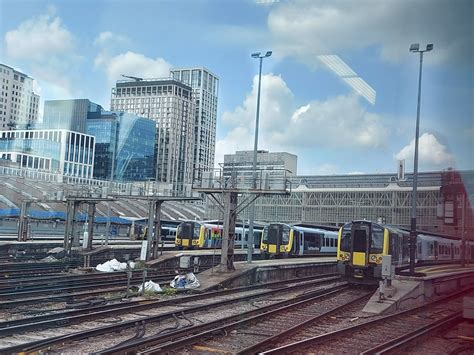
x: 201, y: 235
x: 362, y: 245
x: 281, y: 240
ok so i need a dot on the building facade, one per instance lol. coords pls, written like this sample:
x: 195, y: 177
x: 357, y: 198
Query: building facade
x: 205, y: 87
x: 170, y: 104
x: 337, y: 199
x: 69, y: 114
x: 55, y: 150
x: 19, y: 104
x: 124, y: 148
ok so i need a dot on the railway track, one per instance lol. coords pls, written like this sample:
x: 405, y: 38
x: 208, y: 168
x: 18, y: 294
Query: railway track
x: 244, y: 332
x: 369, y: 337
x: 130, y: 319
x: 73, y: 290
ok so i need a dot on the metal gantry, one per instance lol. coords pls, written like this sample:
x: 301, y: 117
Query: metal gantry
x: 232, y: 192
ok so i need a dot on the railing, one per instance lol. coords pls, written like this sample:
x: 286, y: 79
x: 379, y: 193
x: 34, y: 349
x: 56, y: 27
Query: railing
x: 242, y: 179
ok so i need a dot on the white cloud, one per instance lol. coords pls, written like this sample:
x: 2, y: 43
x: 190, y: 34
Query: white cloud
x: 107, y: 38
x: 308, y: 28
x: 337, y: 123
x: 133, y: 64
x: 39, y: 38
x: 47, y: 49
x: 431, y: 153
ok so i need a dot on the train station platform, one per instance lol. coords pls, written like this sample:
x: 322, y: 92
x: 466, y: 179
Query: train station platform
x: 430, y: 283
x: 265, y: 271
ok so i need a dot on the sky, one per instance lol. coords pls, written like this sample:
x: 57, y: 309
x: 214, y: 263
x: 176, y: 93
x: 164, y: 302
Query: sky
x: 339, y: 91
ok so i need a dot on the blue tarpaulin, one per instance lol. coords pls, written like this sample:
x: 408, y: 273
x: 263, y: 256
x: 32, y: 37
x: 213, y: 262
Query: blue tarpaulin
x: 58, y: 215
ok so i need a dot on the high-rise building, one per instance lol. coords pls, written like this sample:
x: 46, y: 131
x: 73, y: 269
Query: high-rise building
x: 69, y: 114
x: 205, y: 87
x: 125, y: 146
x: 18, y: 102
x: 170, y: 104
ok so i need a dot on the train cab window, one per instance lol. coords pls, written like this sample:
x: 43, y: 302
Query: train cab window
x: 346, y: 238
x: 360, y: 234
x: 285, y: 236
x: 197, y: 230
x: 376, y: 243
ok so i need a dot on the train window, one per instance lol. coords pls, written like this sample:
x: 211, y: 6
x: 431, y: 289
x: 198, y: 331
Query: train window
x: 313, y: 241
x: 346, y: 238
x: 376, y: 244
x: 431, y: 249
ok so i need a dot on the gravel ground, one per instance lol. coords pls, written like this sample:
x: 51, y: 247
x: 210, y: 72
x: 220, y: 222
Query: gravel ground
x: 106, y: 341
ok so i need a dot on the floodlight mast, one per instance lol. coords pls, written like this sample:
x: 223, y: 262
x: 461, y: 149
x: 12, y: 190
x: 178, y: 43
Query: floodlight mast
x: 250, y: 240
x: 415, y: 48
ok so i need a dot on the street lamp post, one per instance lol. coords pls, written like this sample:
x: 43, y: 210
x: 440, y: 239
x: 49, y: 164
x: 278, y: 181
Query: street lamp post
x: 415, y: 48
x: 250, y: 241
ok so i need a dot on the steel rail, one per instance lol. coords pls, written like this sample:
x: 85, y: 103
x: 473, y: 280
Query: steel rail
x: 268, y: 341
x: 63, y: 289
x: 409, y: 337
x: 189, y: 336
x: 75, y: 316
x: 347, y: 330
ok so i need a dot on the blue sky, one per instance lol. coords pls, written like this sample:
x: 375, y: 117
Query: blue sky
x: 79, y: 48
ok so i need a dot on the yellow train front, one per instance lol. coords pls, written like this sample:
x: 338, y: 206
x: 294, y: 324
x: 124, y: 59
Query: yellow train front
x: 194, y: 235
x: 362, y: 245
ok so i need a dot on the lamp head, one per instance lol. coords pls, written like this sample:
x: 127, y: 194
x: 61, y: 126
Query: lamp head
x: 256, y: 55
x: 268, y: 54
x: 415, y: 47
x: 429, y: 47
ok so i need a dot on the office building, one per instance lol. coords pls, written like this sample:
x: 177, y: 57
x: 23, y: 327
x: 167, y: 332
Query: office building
x: 69, y: 114
x: 170, y: 104
x: 18, y: 102
x: 57, y: 151
x: 124, y: 148
x: 205, y: 87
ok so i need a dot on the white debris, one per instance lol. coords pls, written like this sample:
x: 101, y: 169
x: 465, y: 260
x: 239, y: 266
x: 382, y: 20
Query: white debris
x: 111, y: 266
x: 188, y: 281
x: 151, y: 286
x: 49, y: 259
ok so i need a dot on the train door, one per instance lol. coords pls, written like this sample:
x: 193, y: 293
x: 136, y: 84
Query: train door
x: 297, y: 242
x: 301, y: 242
x: 360, y: 233
x: 435, y: 243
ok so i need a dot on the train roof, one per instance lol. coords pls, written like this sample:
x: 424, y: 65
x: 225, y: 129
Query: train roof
x: 319, y: 226
x: 310, y: 227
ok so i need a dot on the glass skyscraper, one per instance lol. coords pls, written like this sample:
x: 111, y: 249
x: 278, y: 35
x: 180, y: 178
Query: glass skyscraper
x: 125, y: 145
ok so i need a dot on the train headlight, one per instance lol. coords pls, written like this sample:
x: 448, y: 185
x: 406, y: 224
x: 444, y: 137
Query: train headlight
x: 373, y: 258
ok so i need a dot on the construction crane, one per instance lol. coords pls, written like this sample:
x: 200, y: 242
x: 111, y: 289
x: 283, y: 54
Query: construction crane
x: 132, y: 77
